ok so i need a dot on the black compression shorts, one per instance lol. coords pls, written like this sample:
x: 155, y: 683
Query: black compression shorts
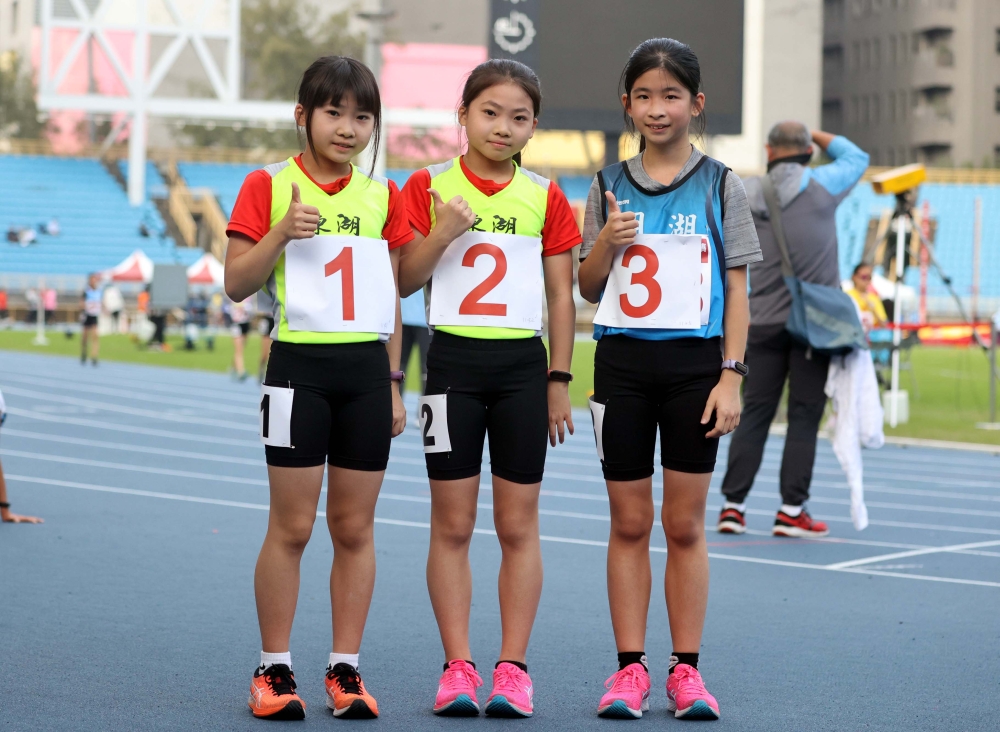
x: 89, y: 321
x: 645, y: 384
x: 498, y: 387
x: 342, y: 407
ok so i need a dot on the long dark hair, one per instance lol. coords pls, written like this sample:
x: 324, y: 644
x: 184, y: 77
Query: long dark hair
x: 503, y: 71
x: 675, y: 58
x: 327, y: 80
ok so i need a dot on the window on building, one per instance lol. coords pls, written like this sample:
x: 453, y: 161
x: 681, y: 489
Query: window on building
x: 866, y: 54
x: 893, y: 49
x: 996, y: 99
x: 13, y: 17
x: 855, y: 56
x: 877, y: 53
x: 876, y: 109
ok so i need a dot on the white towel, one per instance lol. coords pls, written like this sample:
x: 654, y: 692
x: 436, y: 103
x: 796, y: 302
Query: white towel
x: 856, y: 421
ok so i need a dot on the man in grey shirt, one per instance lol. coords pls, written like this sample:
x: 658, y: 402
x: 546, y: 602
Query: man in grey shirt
x: 808, y: 198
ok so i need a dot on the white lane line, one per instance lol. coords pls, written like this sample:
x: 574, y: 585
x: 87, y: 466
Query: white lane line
x: 147, y: 413
x: 913, y: 553
x: 423, y: 480
x: 240, y: 395
x: 132, y: 429
x: 141, y: 396
x: 555, y: 539
x: 131, y: 468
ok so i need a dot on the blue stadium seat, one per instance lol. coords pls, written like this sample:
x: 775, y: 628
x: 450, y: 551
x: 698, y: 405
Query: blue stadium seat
x: 98, y: 226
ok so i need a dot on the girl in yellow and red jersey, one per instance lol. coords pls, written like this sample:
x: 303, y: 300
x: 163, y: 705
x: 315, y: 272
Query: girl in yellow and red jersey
x: 323, y: 237
x: 489, y: 238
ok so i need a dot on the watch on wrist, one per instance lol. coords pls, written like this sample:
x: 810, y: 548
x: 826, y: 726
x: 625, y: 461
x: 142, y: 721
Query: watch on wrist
x: 563, y: 376
x: 732, y: 363
x: 4, y: 505
x: 399, y: 376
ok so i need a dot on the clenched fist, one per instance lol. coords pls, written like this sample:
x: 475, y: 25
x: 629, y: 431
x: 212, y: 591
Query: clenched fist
x: 300, y: 221
x: 621, y: 227
x: 453, y: 218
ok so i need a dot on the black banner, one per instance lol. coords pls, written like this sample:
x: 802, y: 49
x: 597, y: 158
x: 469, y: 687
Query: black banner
x: 514, y: 30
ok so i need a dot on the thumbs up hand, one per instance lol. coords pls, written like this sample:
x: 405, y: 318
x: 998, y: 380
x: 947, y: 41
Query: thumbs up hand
x: 453, y: 218
x: 621, y: 226
x: 300, y: 221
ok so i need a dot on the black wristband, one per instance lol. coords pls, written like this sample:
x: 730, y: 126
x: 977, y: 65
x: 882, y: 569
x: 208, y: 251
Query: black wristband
x: 4, y: 505
x: 564, y: 376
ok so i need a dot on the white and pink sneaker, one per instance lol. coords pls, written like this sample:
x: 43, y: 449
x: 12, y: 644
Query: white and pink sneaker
x: 628, y: 694
x: 512, y: 692
x: 687, y: 696
x: 456, y: 696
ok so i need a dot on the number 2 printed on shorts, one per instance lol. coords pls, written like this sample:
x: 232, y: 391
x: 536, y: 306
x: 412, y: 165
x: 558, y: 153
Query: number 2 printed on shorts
x: 432, y: 412
x: 276, y: 415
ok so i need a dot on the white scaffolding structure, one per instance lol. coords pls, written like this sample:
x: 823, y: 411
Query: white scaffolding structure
x: 179, y: 24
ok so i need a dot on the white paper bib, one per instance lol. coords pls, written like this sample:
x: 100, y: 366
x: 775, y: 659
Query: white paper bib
x: 489, y: 279
x: 655, y: 283
x: 338, y: 284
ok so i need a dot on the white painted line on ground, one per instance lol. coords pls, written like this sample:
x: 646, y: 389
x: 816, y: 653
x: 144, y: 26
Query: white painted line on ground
x: 912, y: 553
x: 147, y: 413
x: 556, y: 539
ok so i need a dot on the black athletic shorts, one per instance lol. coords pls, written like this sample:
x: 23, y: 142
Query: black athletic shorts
x: 494, y: 386
x: 268, y: 326
x: 645, y: 384
x: 89, y: 321
x: 342, y: 406
x: 244, y: 328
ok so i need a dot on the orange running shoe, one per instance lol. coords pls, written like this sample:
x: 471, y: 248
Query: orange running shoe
x: 346, y: 695
x: 272, y: 694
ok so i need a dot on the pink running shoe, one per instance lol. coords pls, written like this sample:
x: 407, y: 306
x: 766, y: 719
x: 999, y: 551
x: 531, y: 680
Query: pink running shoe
x: 456, y: 695
x: 512, y: 692
x: 628, y: 694
x: 687, y: 696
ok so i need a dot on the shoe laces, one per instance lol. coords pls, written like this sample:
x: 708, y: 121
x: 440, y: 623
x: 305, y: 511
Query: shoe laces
x: 280, y: 678
x: 463, y: 674
x: 688, y: 678
x: 346, y: 676
x: 506, y: 677
x: 628, y: 679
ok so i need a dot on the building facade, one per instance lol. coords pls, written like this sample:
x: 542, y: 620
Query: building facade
x: 914, y: 80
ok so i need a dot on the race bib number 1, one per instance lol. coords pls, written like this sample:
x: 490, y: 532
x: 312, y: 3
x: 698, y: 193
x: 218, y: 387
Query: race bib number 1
x: 339, y: 283
x: 489, y: 279
x: 276, y: 415
x: 655, y: 283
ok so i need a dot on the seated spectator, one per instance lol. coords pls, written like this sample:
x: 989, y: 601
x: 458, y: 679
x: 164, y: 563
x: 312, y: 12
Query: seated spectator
x: 3, y: 305
x: 873, y: 314
x: 52, y: 228
x: 26, y: 237
x: 12, y: 234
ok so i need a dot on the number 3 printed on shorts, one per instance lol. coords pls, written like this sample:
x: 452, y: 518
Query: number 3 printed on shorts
x: 471, y: 305
x: 644, y: 277
x: 432, y: 412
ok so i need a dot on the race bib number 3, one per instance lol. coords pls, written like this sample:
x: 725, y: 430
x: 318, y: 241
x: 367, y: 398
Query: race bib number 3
x: 339, y: 283
x: 489, y: 279
x: 654, y: 283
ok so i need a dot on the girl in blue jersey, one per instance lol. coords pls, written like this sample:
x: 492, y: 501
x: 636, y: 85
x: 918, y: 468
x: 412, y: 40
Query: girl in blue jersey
x: 667, y: 239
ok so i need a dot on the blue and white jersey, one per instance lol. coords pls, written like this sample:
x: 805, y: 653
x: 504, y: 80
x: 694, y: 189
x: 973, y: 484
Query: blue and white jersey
x: 692, y: 205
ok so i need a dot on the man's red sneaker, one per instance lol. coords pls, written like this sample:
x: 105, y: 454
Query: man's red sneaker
x: 798, y: 526
x: 732, y: 521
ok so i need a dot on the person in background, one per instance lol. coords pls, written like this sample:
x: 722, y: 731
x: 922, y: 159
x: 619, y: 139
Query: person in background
x: 52, y: 228
x: 239, y: 314
x: 5, y: 513
x: 50, y: 301
x: 113, y: 303
x: 872, y: 311
x: 808, y: 198
x: 265, y: 306
x: 91, y: 306
x: 415, y: 333
x: 3, y: 305
x: 32, y: 298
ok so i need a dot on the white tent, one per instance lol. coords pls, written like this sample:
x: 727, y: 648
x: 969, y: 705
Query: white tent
x: 206, y: 271
x: 136, y: 267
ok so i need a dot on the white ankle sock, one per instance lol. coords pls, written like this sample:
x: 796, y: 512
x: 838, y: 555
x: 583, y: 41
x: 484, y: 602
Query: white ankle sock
x: 349, y: 658
x: 741, y: 507
x: 271, y: 659
x: 792, y: 511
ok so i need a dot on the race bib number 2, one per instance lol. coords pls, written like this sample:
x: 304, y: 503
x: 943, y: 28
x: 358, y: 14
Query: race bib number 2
x: 339, y: 283
x: 655, y: 283
x: 489, y: 279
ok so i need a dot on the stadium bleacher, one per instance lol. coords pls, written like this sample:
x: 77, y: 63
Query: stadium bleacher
x: 98, y: 226
x: 224, y: 179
